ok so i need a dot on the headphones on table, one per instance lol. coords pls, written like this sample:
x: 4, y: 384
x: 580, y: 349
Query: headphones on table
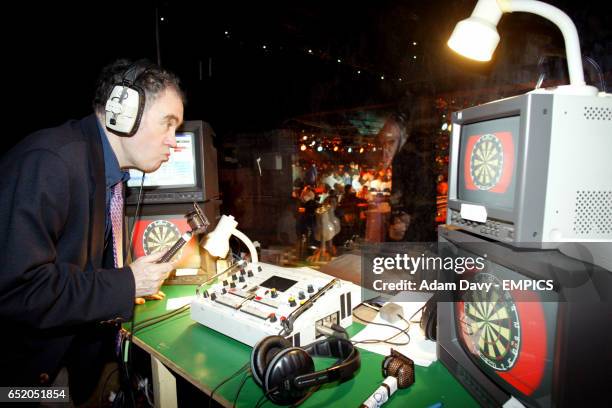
x: 125, y: 104
x: 286, y: 373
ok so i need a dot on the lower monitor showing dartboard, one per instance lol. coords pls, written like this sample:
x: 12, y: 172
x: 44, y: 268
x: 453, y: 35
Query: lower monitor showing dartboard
x: 531, y: 325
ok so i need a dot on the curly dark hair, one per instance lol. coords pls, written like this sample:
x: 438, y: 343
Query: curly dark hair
x: 152, y: 79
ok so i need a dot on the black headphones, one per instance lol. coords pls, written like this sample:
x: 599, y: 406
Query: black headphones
x: 126, y: 102
x: 286, y: 373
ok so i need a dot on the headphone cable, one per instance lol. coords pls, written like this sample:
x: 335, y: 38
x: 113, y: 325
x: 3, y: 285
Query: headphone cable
x: 127, y: 361
x: 262, y: 400
x: 136, y: 219
x: 237, y: 372
x: 240, y: 388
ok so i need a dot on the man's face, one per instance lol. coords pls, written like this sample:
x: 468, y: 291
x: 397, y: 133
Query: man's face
x: 150, y: 146
x: 389, y: 138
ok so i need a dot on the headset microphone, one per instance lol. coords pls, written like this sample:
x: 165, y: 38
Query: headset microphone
x: 399, y: 372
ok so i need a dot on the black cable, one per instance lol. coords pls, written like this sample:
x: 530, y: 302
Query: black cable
x: 237, y: 372
x: 387, y: 340
x: 156, y: 319
x: 129, y: 251
x: 264, y: 397
x: 136, y: 219
x: 240, y: 389
x: 415, y: 313
x: 259, y: 401
x: 108, y: 377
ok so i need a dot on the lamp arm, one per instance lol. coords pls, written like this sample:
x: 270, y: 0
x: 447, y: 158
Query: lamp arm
x: 561, y: 20
x: 241, y: 236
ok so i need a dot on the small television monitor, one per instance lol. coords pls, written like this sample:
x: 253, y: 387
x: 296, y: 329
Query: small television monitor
x: 182, y: 179
x: 540, y: 334
x: 533, y: 170
x: 158, y: 233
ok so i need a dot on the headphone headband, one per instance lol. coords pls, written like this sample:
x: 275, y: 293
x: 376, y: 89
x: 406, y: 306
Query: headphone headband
x: 135, y: 71
x: 286, y: 373
x: 348, y: 362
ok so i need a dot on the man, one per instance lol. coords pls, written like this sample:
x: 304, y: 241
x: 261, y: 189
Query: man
x: 407, y: 143
x: 63, y: 286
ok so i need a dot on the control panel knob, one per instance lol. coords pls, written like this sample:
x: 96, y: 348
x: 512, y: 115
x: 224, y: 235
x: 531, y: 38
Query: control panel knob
x: 242, y: 271
x: 241, y: 279
x: 272, y: 317
x: 259, y: 269
x: 292, y: 301
x: 233, y: 284
x: 225, y: 283
x: 302, y: 295
x: 310, y: 289
x: 250, y: 274
x: 273, y: 293
x: 213, y: 296
x: 224, y: 291
x: 205, y: 294
x: 234, y: 277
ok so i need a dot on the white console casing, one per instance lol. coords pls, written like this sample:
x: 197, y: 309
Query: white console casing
x: 245, y: 311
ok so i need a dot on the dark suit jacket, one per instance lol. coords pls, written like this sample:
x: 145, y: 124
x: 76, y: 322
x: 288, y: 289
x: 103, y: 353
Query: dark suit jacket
x: 55, y: 287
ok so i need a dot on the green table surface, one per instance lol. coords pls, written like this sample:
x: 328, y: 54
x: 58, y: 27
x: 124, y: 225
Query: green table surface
x: 205, y: 357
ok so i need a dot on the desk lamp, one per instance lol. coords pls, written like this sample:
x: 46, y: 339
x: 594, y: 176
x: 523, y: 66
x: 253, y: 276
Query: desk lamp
x: 217, y: 242
x: 476, y: 37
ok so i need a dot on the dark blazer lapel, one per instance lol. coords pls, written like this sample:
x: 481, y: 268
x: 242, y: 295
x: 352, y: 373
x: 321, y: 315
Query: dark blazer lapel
x: 97, y: 207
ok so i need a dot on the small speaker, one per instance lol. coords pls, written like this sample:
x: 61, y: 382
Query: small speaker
x: 593, y: 212
x: 597, y: 113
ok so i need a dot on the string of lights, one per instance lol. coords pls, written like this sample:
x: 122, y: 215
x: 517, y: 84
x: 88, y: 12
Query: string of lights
x: 358, y: 68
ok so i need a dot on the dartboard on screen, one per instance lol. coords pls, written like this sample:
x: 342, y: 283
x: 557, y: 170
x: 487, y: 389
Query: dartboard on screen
x: 487, y: 162
x: 159, y: 236
x: 491, y: 325
x: 157, y: 233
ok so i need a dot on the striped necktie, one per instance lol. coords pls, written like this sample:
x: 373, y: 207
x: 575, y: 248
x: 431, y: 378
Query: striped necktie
x: 116, y: 215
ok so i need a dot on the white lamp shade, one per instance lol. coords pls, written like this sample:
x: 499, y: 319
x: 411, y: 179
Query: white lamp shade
x: 217, y: 242
x: 474, y: 38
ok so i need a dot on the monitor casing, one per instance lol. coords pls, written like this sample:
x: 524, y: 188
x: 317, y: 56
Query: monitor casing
x: 206, y: 179
x: 576, y: 316
x: 563, y: 179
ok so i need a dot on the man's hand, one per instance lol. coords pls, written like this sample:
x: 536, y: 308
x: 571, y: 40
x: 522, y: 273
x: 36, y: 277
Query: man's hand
x: 149, y: 275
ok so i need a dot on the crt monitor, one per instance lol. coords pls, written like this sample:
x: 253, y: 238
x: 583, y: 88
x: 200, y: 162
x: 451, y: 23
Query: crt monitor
x: 540, y: 334
x: 158, y: 233
x: 533, y: 170
x: 182, y: 178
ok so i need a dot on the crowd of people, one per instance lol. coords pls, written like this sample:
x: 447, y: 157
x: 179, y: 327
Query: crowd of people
x: 358, y: 195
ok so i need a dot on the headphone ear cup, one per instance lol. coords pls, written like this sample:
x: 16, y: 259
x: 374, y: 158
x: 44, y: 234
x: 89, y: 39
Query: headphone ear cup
x: 281, y: 371
x: 262, y: 354
x: 124, y: 109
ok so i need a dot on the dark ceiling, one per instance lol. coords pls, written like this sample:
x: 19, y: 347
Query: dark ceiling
x: 262, y: 65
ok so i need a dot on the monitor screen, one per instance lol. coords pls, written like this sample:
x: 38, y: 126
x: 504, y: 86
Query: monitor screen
x: 155, y: 233
x: 487, y: 162
x: 178, y: 171
x: 507, y: 334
